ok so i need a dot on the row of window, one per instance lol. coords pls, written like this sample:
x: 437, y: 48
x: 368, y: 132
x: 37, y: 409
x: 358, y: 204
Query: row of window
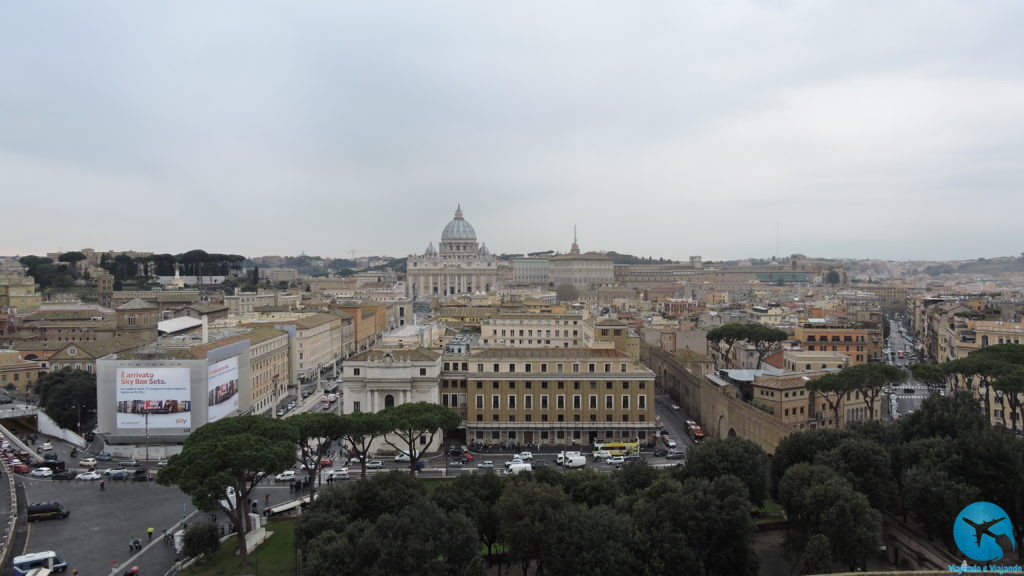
x: 512, y: 367
x: 553, y: 434
x: 528, y: 385
x: 561, y: 418
x: 835, y: 338
x: 511, y: 401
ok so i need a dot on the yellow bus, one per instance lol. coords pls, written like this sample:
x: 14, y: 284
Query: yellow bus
x: 619, y: 448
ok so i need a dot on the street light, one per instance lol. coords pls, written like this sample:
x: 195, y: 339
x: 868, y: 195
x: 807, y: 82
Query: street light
x: 146, y: 414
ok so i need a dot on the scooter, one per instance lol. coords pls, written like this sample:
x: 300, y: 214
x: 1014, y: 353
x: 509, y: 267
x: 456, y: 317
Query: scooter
x: 74, y: 452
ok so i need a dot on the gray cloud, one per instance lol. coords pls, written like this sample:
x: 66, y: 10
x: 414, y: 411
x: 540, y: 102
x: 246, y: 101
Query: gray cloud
x: 867, y: 129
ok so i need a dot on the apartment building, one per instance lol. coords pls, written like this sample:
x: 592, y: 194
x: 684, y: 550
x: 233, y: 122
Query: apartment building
x: 18, y: 291
x: 549, y: 396
x: 532, y: 330
x: 862, y: 343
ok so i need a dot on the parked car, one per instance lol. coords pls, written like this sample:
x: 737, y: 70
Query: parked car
x: 676, y: 455
x: 524, y: 456
x: 161, y: 463
x: 20, y: 467
x: 281, y: 411
x: 670, y: 443
x: 89, y: 476
x: 602, y: 455
x: 112, y: 471
x: 658, y: 452
x: 286, y: 476
x: 375, y: 464
x: 616, y: 461
x: 120, y: 475
x: 104, y: 457
x: 63, y: 475
x: 540, y: 464
x: 45, y: 446
x: 42, y: 472
x: 87, y: 462
x: 51, y: 456
x: 129, y: 463
x: 486, y: 465
x: 142, y: 475
x: 326, y: 463
x: 456, y: 463
x: 402, y: 457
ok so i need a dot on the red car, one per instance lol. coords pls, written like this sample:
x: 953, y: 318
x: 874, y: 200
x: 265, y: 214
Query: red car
x: 21, y: 468
x: 327, y: 463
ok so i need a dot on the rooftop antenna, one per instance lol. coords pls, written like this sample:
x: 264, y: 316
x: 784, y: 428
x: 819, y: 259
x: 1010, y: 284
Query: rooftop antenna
x: 776, y: 240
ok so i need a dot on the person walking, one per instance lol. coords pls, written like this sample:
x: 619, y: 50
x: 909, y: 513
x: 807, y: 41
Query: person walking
x: 149, y: 531
x: 103, y: 485
x: 266, y: 500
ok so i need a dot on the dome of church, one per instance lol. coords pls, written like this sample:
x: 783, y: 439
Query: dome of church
x: 458, y: 229
x: 484, y: 251
x: 430, y: 250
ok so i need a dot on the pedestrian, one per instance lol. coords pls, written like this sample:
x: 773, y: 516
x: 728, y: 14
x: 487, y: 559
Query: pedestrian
x: 266, y: 500
x: 150, y: 532
x: 131, y: 544
x: 103, y: 485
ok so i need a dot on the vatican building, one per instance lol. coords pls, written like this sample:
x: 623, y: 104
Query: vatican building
x: 460, y: 265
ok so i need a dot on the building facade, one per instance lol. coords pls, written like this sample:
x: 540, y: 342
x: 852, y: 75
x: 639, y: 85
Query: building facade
x: 460, y: 266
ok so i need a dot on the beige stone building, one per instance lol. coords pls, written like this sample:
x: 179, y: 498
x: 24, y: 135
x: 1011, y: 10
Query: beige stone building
x: 550, y: 396
x: 18, y: 291
x: 533, y: 330
x: 581, y: 270
x: 460, y: 266
x: 17, y: 374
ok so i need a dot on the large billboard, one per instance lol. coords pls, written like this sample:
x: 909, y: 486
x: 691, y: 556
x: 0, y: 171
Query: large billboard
x: 222, y: 385
x: 153, y: 397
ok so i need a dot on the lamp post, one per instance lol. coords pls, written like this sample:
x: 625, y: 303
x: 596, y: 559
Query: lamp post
x: 146, y: 414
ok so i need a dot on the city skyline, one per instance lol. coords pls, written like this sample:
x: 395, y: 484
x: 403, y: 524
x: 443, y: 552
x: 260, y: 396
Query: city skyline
x: 729, y: 131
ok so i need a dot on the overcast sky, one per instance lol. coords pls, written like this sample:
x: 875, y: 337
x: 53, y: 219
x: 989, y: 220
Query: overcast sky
x: 724, y: 129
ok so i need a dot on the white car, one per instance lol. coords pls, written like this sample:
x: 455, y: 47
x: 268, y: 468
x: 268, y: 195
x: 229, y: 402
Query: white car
x: 339, y: 474
x: 46, y: 446
x: 42, y: 472
x: 616, y: 461
x: 374, y: 464
x: 514, y: 460
x: 286, y: 476
x: 402, y: 457
x: 602, y: 455
x: 524, y: 456
x: 87, y: 462
x: 670, y: 443
x: 486, y: 465
x: 110, y: 471
x: 89, y: 476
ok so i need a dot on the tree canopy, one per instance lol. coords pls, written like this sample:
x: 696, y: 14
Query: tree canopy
x: 66, y: 394
x: 222, y: 462
x: 763, y: 338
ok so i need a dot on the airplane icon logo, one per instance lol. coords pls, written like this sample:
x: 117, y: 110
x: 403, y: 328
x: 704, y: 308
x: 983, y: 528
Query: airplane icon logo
x: 982, y: 528
x: 983, y: 519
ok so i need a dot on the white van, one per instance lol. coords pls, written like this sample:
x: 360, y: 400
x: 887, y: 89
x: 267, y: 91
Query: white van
x: 562, y: 456
x: 25, y: 564
x: 575, y: 462
x: 518, y: 467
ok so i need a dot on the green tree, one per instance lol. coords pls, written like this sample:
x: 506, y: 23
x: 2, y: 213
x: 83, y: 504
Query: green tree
x: 763, y: 338
x: 476, y: 496
x: 934, y: 499
x: 415, y: 424
x: 359, y: 430
x: 572, y: 550
x: 65, y: 394
x: 931, y: 374
x: 723, y: 545
x: 870, y: 379
x: 201, y: 539
x: 567, y: 293
x: 817, y: 556
x: 418, y: 539
x: 832, y: 277
x: 222, y: 462
x: 316, y: 430
x: 528, y: 511
x: 865, y: 464
x: 832, y: 388
x: 737, y: 456
x: 802, y: 447
x: 72, y: 259
x: 591, y: 488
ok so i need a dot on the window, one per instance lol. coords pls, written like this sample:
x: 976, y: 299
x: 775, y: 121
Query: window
x: 511, y: 367
x: 593, y: 402
x: 423, y: 371
x: 590, y: 367
x: 576, y: 402
x: 560, y: 402
x: 496, y: 368
x: 479, y: 385
x: 625, y: 402
x: 495, y: 402
x: 622, y: 367
x: 609, y: 402
x: 511, y: 402
x: 642, y: 402
x: 543, y: 367
x: 355, y: 371
x: 528, y: 402
x: 543, y: 401
x: 479, y: 402
x: 355, y: 406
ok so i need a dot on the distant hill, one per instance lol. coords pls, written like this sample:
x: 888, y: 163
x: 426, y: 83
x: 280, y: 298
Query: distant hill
x: 987, y: 266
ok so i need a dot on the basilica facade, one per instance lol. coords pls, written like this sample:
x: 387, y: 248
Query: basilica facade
x: 460, y: 265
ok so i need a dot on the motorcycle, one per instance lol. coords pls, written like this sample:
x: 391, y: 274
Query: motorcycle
x: 74, y: 452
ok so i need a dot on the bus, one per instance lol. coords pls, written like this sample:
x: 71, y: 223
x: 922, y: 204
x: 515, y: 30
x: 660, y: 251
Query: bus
x: 695, y: 431
x: 619, y: 448
x: 900, y: 354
